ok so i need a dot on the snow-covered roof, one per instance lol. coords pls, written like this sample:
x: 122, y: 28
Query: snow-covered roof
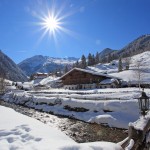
x: 90, y: 72
x: 108, y: 81
x: 19, y: 83
x: 40, y: 73
x: 26, y: 86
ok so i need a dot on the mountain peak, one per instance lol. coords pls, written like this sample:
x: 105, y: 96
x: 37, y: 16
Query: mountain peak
x: 44, y: 64
x: 105, y: 52
x: 139, y: 45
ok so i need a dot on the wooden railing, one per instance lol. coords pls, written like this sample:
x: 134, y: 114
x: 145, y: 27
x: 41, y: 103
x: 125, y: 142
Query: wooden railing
x: 137, y: 137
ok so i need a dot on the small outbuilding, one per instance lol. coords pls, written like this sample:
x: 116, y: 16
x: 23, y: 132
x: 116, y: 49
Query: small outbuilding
x: 39, y: 75
x: 109, y: 83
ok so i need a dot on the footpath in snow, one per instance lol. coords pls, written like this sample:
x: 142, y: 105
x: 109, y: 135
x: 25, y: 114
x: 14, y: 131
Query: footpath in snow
x: 20, y: 132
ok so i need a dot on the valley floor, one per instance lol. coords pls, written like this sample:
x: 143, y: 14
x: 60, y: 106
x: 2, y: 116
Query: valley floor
x: 113, y: 107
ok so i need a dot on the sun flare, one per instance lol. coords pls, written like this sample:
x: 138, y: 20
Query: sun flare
x: 51, y: 23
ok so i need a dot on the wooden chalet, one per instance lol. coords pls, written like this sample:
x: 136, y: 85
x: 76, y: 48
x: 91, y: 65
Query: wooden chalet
x: 85, y: 79
x: 40, y: 75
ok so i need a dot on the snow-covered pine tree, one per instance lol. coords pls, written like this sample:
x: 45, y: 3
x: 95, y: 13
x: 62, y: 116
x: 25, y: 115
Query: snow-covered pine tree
x: 66, y: 69
x: 83, y: 62
x: 89, y: 59
x: 120, y: 65
x: 97, y: 58
x: 77, y: 64
x: 109, y: 58
x: 93, y: 59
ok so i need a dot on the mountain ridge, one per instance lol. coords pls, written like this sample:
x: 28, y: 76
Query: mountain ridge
x: 10, y: 69
x: 137, y: 46
x: 40, y: 63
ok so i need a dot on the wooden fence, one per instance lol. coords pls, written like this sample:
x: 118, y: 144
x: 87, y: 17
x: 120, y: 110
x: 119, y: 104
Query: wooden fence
x: 137, y: 137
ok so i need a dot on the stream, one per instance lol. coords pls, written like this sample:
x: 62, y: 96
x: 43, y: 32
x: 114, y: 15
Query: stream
x: 78, y: 130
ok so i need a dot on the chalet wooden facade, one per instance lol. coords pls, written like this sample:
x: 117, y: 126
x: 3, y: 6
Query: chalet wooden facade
x: 84, y: 79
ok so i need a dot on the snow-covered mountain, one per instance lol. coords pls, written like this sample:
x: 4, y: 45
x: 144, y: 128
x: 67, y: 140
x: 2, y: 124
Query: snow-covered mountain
x: 131, y: 74
x: 106, y: 52
x: 11, y: 70
x: 41, y: 63
x: 137, y: 46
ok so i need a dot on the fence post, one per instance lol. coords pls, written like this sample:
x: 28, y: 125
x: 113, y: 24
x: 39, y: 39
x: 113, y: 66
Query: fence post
x: 138, y: 135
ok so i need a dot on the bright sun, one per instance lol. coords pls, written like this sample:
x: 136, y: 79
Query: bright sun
x: 51, y: 23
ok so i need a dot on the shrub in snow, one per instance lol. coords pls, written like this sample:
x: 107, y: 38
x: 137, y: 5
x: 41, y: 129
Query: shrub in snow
x: 58, y: 101
x: 77, y: 109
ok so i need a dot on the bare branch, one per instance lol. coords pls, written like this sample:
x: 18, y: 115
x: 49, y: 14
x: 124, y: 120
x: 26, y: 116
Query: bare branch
x: 127, y: 62
x: 138, y: 73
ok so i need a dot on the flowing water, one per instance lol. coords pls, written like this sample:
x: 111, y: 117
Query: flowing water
x: 78, y: 130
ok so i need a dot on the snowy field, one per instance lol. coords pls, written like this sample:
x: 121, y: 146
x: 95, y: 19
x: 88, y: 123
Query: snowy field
x: 131, y: 74
x: 113, y: 107
x: 19, y: 132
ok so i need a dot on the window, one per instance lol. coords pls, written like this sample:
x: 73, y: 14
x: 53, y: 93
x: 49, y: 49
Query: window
x: 90, y: 80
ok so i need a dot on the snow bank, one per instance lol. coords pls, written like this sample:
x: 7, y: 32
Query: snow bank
x: 115, y: 113
x: 130, y: 146
x: 21, y: 132
x: 18, y: 131
x: 87, y: 104
x: 141, y: 123
x: 46, y: 100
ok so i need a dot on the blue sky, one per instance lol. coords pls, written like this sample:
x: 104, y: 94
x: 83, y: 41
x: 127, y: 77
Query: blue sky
x: 90, y: 26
